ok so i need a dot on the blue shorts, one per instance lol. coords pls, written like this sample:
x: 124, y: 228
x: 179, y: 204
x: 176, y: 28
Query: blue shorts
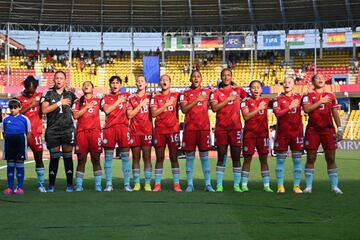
x: 15, y: 147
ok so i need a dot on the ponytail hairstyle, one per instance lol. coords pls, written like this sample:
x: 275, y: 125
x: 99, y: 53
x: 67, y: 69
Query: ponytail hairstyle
x: 31, y: 81
x: 82, y: 98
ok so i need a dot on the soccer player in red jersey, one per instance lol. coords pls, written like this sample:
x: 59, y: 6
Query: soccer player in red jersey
x: 116, y: 131
x: 88, y: 135
x: 138, y: 111
x: 287, y: 109
x: 30, y: 102
x: 256, y: 134
x: 228, y: 131
x: 194, y: 104
x: 164, y: 108
x: 322, y: 109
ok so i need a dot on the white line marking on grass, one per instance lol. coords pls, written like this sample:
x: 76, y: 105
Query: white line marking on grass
x: 32, y: 161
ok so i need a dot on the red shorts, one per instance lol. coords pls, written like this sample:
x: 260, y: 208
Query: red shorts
x: 228, y: 137
x: 35, y: 142
x: 171, y: 139
x: 250, y: 142
x: 117, y: 135
x: 141, y: 141
x: 191, y: 139
x: 314, y: 138
x: 296, y: 143
x: 88, y: 141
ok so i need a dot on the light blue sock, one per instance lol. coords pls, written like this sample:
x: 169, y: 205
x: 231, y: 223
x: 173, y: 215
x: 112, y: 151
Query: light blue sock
x: 244, y: 178
x: 126, y: 168
x: 279, y: 169
x: 309, y: 175
x: 79, y: 178
x: 176, y: 175
x: 190, y: 156
x: 158, y: 175
x: 237, y: 175
x: 40, y: 172
x: 20, y: 174
x: 296, y: 156
x: 148, y: 173
x: 11, y: 174
x: 108, y: 166
x: 97, y: 176
x: 333, y: 176
x: 205, y: 165
x: 266, y: 178
x: 219, y: 174
x: 136, y: 175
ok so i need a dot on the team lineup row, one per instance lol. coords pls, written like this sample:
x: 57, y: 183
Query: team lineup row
x: 129, y: 125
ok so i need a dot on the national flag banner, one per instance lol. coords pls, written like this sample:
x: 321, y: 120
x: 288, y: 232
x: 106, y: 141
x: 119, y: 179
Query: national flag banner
x: 356, y: 37
x: 295, y: 39
x: 271, y: 40
x: 336, y: 38
x: 211, y: 42
x: 179, y: 42
x: 167, y: 42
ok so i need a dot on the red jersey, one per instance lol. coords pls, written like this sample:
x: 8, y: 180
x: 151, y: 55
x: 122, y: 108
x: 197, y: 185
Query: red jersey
x: 321, y: 118
x: 118, y: 116
x: 198, y: 117
x: 289, y: 122
x: 141, y: 123
x: 90, y: 120
x: 167, y: 121
x: 228, y: 117
x: 33, y: 114
x: 257, y: 125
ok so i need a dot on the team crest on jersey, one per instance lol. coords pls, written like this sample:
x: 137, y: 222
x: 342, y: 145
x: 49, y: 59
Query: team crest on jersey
x: 105, y: 141
x: 131, y: 141
x: 246, y: 148
x: 155, y: 141
x: 307, y: 142
x: 37, y: 98
x: 184, y: 144
x: 77, y: 147
x: 276, y: 144
x: 203, y: 93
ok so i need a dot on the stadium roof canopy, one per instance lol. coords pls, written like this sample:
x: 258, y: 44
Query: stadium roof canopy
x: 178, y: 15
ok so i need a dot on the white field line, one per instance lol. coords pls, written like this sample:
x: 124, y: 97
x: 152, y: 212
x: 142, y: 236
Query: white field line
x: 4, y: 167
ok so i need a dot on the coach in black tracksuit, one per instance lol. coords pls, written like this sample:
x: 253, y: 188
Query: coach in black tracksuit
x: 60, y: 131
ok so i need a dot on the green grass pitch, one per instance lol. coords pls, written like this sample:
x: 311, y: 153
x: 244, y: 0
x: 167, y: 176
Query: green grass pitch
x: 199, y: 215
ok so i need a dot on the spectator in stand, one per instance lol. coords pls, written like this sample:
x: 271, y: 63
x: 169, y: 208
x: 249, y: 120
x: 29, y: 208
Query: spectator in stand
x: 205, y: 61
x: 186, y: 69
x: 356, y: 64
x: 158, y: 51
x: 137, y: 53
x: 126, y: 80
x: 121, y: 53
x: 266, y: 71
